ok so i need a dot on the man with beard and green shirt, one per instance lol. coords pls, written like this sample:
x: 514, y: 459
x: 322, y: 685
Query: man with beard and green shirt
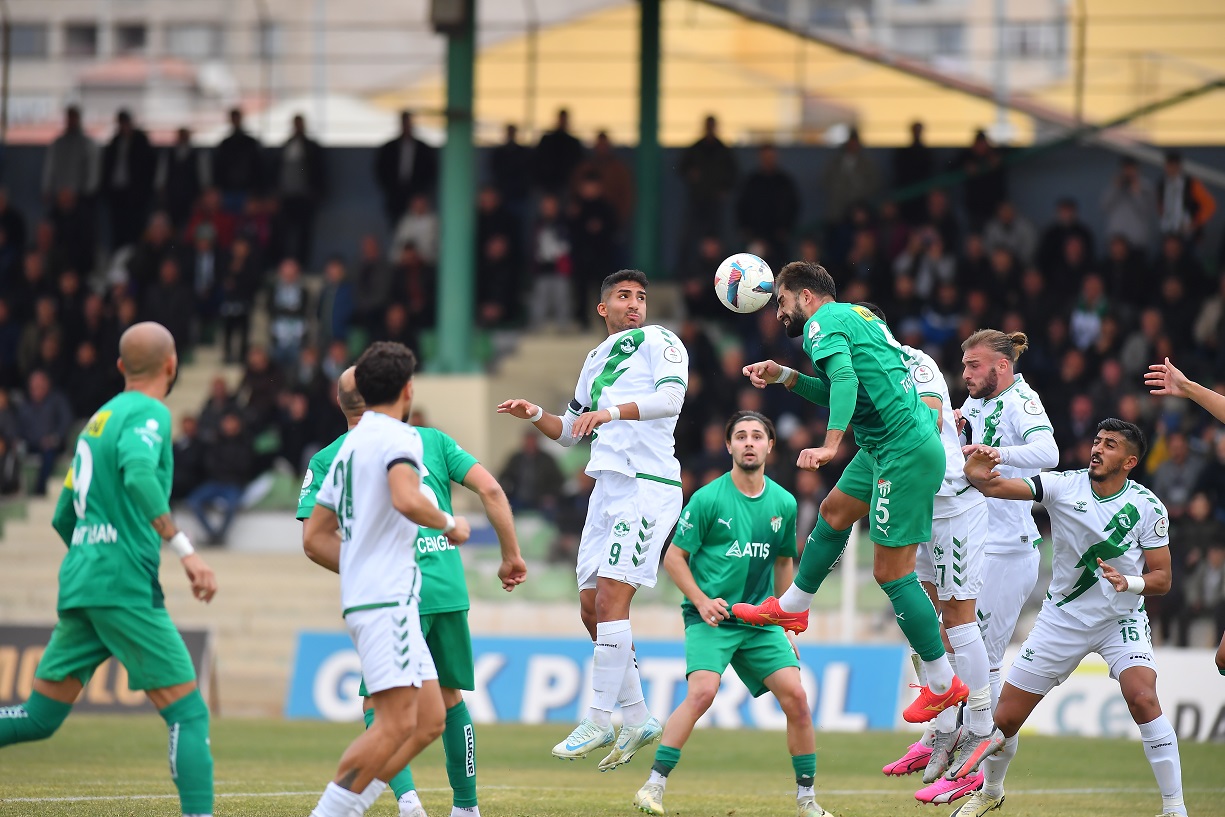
x: 444, y: 594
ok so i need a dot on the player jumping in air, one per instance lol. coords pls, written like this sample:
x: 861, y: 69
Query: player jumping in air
x: 113, y: 515
x: 628, y: 397
x: 371, y: 499
x: 444, y: 595
x: 734, y: 542
x: 863, y: 375
x: 1100, y: 521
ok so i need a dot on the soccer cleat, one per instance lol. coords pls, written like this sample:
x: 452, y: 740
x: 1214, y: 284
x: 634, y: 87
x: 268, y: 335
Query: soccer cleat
x: 412, y: 811
x: 928, y: 705
x: 650, y: 798
x: 769, y: 612
x: 943, y: 746
x: 585, y: 739
x: 978, y: 805
x: 809, y: 807
x: 915, y: 758
x: 946, y: 791
x: 975, y: 750
x: 629, y: 741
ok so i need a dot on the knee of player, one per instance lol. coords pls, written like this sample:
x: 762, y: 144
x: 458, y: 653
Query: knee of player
x: 432, y: 727
x: 1143, y: 703
x: 701, y: 696
x: 794, y: 703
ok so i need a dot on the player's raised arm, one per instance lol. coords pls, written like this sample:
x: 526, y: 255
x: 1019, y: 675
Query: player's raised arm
x: 980, y: 471
x: 513, y: 570
x: 406, y: 497
x: 1165, y: 379
x: 551, y: 425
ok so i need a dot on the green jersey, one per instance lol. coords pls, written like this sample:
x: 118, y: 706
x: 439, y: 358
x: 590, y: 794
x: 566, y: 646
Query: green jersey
x: 443, y: 586
x: 733, y: 541
x: 889, y: 418
x: 114, y: 553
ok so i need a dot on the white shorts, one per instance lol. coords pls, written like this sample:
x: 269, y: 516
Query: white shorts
x: 628, y: 522
x: 953, y: 559
x: 1008, y: 579
x: 1059, y: 641
x: 391, y: 647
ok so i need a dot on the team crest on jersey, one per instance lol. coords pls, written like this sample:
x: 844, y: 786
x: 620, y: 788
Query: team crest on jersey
x: 776, y: 523
x: 672, y: 354
x: 884, y: 486
x: 1031, y: 406
x: 97, y: 423
x: 924, y: 374
x: 622, y: 528
x: 1162, y: 527
x: 1080, y: 506
x: 628, y: 346
x: 683, y: 524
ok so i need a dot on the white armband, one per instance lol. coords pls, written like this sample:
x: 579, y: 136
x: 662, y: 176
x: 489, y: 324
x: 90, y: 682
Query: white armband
x: 181, y: 545
x: 450, y: 526
x: 614, y: 412
x: 1135, y: 584
x: 784, y: 375
x: 536, y: 417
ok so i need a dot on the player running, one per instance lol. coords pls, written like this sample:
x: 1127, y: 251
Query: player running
x: 864, y: 377
x: 113, y: 515
x: 1099, y: 519
x: 631, y: 388
x: 444, y: 595
x: 734, y: 542
x: 1165, y: 379
x: 372, y: 496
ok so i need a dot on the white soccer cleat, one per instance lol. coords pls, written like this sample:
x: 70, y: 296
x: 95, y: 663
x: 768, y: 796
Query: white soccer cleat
x: 412, y: 811
x: 650, y: 798
x: 631, y: 739
x: 585, y: 739
x: 943, y: 746
x: 978, y: 805
x: 809, y: 807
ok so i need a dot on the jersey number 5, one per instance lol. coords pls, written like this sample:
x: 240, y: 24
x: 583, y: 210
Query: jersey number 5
x: 82, y: 476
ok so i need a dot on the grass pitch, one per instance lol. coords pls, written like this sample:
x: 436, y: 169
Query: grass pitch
x: 116, y: 766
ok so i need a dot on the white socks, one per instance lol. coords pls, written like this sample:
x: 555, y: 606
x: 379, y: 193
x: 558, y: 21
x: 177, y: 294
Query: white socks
x: 996, y: 766
x: 997, y: 685
x: 366, y: 799
x: 630, y: 698
x: 795, y: 600
x: 409, y: 802
x: 656, y: 777
x: 972, y: 666
x: 469, y: 811
x: 336, y: 802
x: 1161, y: 749
x: 939, y: 674
x: 805, y: 791
x: 613, y: 648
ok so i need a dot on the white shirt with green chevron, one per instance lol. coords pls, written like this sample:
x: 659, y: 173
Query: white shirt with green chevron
x: 625, y: 368
x: 955, y: 494
x: 1012, y: 417
x: 1085, y: 527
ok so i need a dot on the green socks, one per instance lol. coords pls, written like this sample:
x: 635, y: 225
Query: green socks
x: 821, y: 552
x: 459, y: 744
x: 402, y: 783
x: 666, y: 759
x: 916, y: 616
x: 36, y: 719
x: 191, y: 761
x: 805, y: 769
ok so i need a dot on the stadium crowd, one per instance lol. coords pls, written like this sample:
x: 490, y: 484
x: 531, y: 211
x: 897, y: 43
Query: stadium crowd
x: 208, y: 241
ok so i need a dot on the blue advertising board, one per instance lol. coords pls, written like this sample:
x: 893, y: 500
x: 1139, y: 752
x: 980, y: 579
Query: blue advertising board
x: 537, y: 680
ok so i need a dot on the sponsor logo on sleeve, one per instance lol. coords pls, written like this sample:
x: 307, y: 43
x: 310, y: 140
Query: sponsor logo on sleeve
x: 672, y: 354
x: 1032, y: 406
x: 924, y: 374
x: 1162, y: 527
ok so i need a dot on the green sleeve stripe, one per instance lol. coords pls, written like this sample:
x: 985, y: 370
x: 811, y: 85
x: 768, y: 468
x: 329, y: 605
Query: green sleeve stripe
x: 1025, y: 436
x: 931, y: 394
x: 669, y: 379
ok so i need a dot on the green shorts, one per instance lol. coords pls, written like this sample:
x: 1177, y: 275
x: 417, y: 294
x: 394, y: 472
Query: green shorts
x: 901, y: 492
x: 755, y: 653
x: 450, y: 643
x: 142, y: 639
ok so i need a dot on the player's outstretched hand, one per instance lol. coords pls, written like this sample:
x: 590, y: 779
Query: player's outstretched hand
x: 811, y: 459
x: 518, y: 408
x: 589, y: 421
x: 203, y: 582
x: 990, y: 453
x: 1166, y: 379
x: 512, y: 572
x: 1117, y: 579
x: 460, y: 533
x: 762, y: 374
x: 979, y: 464
x: 713, y: 611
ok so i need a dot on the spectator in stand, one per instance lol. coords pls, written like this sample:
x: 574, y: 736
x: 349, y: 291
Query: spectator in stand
x: 296, y: 429
x: 202, y: 264
x: 146, y: 259
x: 892, y: 232
x: 1178, y: 312
x: 10, y: 467
x: 45, y: 419
x: 552, y: 303
x: 593, y: 242
x: 615, y: 176
x: 45, y: 323
x: 219, y: 403
x: 1011, y: 231
x: 171, y: 303
x: 708, y: 171
x: 306, y: 376
x: 1175, y: 479
x: 849, y: 178
x: 1085, y: 323
x: 1067, y: 224
x: 695, y: 276
x: 302, y: 184
x: 92, y: 382
x: 556, y: 155
x: 912, y: 165
x: 288, y: 306
x: 532, y: 479
x: 1206, y: 592
x: 335, y: 361
x: 769, y: 204
x: 71, y: 302
x: 498, y: 293
x: 571, y: 517
x: 419, y: 227
x: 128, y: 168
x: 1107, y: 393
x: 71, y: 162
x: 986, y: 184
x: 335, y: 310
x: 13, y: 224
x: 1190, y: 538
x: 940, y: 216
x: 397, y: 328
x: 1141, y: 345
x: 1211, y: 483
x: 1123, y: 272
x: 493, y: 218
x: 1106, y: 348
x: 926, y: 262
x: 260, y: 223
x: 10, y: 263
x: 403, y: 168
x: 863, y: 262
x: 10, y: 342
x: 1174, y: 261
x: 188, y: 458
x: 1128, y: 204
x: 413, y: 285
x: 238, y: 282
x: 1184, y: 204
x: 257, y: 393
x: 208, y: 211
x: 510, y: 168
x: 238, y: 165
x: 75, y: 233
x: 10, y: 419
x: 229, y: 464
x: 53, y: 359
x: 372, y: 282
x: 183, y: 173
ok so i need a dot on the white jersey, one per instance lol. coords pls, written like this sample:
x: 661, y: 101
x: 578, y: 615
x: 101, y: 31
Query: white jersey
x: 1085, y: 527
x: 625, y: 368
x: 378, y: 563
x: 955, y: 494
x: 1009, y: 418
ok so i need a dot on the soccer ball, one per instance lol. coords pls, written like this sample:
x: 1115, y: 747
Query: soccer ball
x: 744, y: 283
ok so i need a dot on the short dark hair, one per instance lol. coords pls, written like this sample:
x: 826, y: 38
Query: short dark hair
x: 755, y: 416
x: 621, y: 275
x: 799, y: 275
x: 1130, y: 431
x: 383, y: 370
x: 873, y: 308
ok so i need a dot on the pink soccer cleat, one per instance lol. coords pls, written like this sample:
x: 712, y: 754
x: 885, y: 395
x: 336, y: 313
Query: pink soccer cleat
x: 915, y: 760
x: 945, y: 791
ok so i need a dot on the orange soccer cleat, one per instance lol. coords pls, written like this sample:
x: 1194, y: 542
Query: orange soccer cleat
x: 768, y: 612
x: 928, y: 705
